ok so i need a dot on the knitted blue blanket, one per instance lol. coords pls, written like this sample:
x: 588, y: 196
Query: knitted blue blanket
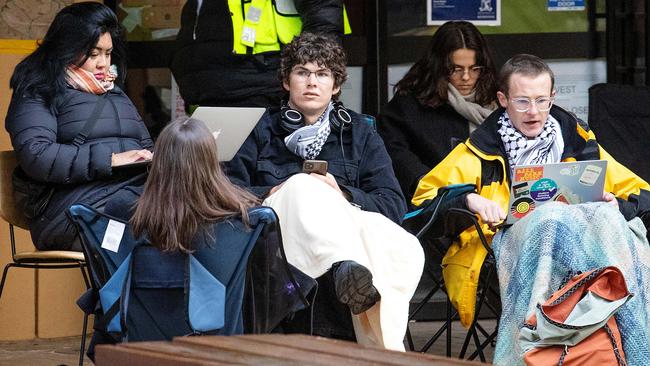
x: 534, y: 255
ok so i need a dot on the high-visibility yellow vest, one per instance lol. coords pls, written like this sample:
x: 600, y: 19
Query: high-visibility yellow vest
x: 261, y: 26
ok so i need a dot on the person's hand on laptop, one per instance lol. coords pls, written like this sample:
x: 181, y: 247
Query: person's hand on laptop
x: 610, y: 198
x: 130, y: 156
x: 489, y: 211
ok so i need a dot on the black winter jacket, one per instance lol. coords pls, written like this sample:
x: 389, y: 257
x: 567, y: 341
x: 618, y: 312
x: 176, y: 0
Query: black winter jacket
x: 418, y: 137
x: 42, y: 140
x: 365, y: 172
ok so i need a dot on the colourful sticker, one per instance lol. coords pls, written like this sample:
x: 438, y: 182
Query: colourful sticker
x: 522, y: 207
x: 529, y: 173
x: 543, y: 190
x: 520, y: 189
x: 590, y: 175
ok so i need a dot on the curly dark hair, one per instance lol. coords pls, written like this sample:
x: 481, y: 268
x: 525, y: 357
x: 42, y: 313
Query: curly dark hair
x: 320, y: 49
x: 428, y: 78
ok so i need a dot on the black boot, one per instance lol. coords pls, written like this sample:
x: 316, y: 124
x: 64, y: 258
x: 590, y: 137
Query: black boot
x: 353, y: 286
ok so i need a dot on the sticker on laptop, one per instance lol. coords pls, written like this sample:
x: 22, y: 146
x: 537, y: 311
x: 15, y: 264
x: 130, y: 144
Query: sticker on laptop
x: 543, y: 190
x: 564, y: 195
x: 521, y: 207
x: 572, y: 170
x: 521, y: 189
x: 529, y: 173
x: 590, y: 175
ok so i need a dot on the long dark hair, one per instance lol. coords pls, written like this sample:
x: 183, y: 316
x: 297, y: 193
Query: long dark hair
x: 186, y: 188
x: 71, y: 37
x: 428, y: 78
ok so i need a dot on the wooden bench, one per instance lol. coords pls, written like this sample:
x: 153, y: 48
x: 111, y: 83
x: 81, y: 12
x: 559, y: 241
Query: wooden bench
x: 263, y: 349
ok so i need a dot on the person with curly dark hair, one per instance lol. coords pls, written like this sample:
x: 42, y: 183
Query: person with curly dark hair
x: 443, y: 97
x: 339, y: 226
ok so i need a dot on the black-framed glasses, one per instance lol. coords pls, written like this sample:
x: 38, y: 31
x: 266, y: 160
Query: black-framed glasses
x: 524, y: 104
x: 459, y: 72
x: 324, y: 76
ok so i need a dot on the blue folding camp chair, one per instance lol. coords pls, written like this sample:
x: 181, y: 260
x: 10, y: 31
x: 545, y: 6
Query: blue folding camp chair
x: 429, y: 224
x: 141, y: 293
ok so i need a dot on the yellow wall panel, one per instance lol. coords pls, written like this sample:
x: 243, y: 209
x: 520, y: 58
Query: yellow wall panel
x: 32, y: 305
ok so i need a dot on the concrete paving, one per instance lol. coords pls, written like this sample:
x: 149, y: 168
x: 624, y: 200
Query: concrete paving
x: 65, y: 351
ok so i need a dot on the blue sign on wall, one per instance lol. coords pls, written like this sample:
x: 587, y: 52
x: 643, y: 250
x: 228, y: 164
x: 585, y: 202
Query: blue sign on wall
x: 479, y: 12
x: 561, y: 5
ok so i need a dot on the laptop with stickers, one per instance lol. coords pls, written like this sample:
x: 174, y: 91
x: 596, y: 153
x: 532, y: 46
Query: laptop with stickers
x: 569, y: 182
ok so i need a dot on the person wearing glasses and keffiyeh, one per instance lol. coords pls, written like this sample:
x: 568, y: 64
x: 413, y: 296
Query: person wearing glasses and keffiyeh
x: 535, y: 253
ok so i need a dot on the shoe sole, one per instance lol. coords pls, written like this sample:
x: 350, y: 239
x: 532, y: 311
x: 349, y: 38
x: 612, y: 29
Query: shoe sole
x: 353, y: 287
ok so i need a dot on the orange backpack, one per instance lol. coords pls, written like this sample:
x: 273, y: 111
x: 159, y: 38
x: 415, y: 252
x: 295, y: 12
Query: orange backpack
x: 576, y: 326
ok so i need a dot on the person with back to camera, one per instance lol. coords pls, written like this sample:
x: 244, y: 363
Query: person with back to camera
x: 56, y: 91
x: 342, y: 223
x: 555, y: 240
x: 442, y: 98
x: 185, y: 171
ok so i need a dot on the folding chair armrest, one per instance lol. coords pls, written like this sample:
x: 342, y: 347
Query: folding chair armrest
x: 445, y: 194
x: 470, y: 215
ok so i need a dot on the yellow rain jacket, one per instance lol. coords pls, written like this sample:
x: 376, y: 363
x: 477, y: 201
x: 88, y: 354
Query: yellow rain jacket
x: 481, y: 161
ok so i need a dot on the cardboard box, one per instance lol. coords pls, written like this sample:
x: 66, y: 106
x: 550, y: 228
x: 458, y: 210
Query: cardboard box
x: 159, y: 17
x: 152, y: 2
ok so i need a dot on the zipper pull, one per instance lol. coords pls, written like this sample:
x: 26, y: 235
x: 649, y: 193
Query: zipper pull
x: 199, y: 4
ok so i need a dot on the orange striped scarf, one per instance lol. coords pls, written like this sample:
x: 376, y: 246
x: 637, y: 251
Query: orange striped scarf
x: 83, y: 80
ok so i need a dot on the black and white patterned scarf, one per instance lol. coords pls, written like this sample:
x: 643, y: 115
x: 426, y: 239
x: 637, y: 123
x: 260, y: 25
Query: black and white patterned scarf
x: 308, y: 141
x: 545, y: 148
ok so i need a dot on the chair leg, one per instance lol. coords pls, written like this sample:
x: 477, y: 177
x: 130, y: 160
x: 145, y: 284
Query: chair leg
x: 409, y: 339
x: 85, y: 275
x: 4, y: 277
x: 82, y: 349
x: 449, y: 320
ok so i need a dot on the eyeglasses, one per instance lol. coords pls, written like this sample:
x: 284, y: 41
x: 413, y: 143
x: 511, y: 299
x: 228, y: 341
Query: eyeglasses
x: 459, y: 72
x: 524, y: 104
x: 324, y: 76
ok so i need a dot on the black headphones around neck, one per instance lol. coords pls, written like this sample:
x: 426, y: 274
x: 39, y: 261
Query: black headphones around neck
x: 292, y: 119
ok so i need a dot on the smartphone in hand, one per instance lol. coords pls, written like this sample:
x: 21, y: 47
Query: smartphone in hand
x: 315, y: 166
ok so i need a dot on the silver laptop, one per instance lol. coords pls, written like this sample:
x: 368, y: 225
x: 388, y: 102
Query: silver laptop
x: 569, y: 182
x: 232, y: 124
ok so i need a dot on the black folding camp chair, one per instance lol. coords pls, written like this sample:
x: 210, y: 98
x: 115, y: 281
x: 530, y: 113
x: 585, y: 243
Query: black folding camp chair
x: 429, y: 225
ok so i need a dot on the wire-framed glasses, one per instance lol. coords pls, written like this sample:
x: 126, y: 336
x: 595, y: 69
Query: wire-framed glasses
x: 524, y: 104
x: 459, y: 72
x: 324, y: 76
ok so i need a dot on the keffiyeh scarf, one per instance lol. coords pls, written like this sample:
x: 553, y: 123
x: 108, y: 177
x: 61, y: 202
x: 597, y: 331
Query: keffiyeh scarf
x: 545, y: 148
x: 85, y: 81
x: 308, y: 141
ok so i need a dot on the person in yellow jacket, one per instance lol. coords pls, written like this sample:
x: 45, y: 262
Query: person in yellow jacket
x: 227, y: 52
x: 527, y: 129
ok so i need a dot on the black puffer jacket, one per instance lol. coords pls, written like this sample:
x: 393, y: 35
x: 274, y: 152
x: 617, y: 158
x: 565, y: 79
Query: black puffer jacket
x: 42, y: 140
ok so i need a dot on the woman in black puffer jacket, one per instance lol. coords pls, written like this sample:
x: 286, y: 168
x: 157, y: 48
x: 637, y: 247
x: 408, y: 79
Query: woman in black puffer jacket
x: 56, y: 89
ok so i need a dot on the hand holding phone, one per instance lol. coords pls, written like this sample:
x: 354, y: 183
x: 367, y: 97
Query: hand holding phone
x: 315, y: 166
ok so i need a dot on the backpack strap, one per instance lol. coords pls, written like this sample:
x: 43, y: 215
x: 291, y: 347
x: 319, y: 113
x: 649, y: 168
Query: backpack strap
x: 81, y: 137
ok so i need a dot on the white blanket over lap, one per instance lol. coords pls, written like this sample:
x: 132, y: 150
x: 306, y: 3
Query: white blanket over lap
x: 319, y: 228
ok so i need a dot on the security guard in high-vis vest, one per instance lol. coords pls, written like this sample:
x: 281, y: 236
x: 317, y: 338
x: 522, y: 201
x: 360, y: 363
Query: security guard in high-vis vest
x: 227, y: 51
